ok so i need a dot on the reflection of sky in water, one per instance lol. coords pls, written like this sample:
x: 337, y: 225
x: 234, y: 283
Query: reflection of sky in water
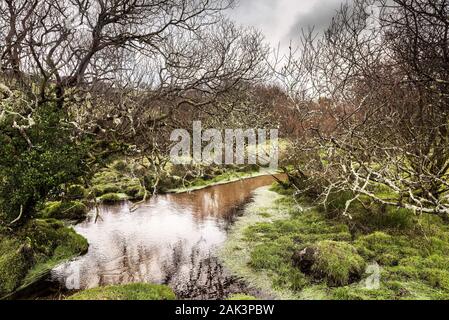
x: 164, y: 241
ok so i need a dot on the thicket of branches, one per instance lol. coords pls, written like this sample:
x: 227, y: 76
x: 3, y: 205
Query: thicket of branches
x: 367, y: 103
x: 115, y: 73
x: 373, y: 99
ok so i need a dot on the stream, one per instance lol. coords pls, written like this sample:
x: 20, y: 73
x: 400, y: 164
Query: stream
x: 171, y: 239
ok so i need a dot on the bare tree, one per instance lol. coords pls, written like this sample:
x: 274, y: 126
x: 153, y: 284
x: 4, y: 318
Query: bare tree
x: 123, y: 71
x: 383, y: 78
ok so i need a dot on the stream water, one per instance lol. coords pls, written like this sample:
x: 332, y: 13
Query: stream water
x: 171, y: 239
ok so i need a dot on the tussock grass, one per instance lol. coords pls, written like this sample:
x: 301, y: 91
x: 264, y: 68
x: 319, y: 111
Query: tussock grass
x: 412, y: 251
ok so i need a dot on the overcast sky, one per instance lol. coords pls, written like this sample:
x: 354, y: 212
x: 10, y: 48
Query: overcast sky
x: 282, y: 20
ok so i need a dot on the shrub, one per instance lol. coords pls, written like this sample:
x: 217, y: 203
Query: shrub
x: 336, y: 202
x: 107, y: 188
x: 30, y: 175
x: 133, y: 190
x: 379, y: 217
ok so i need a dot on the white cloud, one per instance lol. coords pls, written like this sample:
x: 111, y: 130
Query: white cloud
x: 281, y: 20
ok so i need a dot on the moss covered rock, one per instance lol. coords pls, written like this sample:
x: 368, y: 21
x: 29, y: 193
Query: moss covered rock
x: 113, y: 197
x: 15, y: 261
x: 76, y: 192
x: 116, y: 179
x: 134, y: 291
x: 50, y: 238
x: 336, y: 262
x: 101, y: 189
x: 38, y: 247
x: 134, y: 191
x: 68, y: 210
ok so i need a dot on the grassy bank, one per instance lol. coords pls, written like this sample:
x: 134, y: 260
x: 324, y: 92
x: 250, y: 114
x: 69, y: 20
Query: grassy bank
x: 275, y: 233
x: 223, y: 178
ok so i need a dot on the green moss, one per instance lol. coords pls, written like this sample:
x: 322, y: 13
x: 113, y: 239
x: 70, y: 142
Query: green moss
x: 360, y: 293
x: 69, y: 210
x: 14, y: 265
x: 337, y: 262
x: 38, y: 247
x: 106, y: 176
x: 241, y: 296
x: 76, y: 192
x: 113, y: 197
x: 50, y: 239
x: 272, y: 243
x: 302, y: 230
x: 386, y: 249
x: 135, y: 291
x: 134, y: 191
x: 120, y: 166
x: 101, y: 189
x: 384, y: 218
x: 117, y: 179
x: 265, y: 214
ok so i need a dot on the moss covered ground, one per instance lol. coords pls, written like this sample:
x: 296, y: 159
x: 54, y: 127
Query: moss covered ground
x: 409, y: 252
x: 134, y: 291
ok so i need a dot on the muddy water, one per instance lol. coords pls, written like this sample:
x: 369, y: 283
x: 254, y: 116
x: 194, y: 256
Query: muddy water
x: 172, y: 239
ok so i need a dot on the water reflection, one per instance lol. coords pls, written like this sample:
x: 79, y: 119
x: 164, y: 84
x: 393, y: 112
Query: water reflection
x: 171, y: 239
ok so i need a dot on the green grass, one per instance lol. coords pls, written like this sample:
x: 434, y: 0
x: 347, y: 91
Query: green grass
x: 412, y: 251
x: 241, y: 296
x: 274, y: 244
x: 134, y: 291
